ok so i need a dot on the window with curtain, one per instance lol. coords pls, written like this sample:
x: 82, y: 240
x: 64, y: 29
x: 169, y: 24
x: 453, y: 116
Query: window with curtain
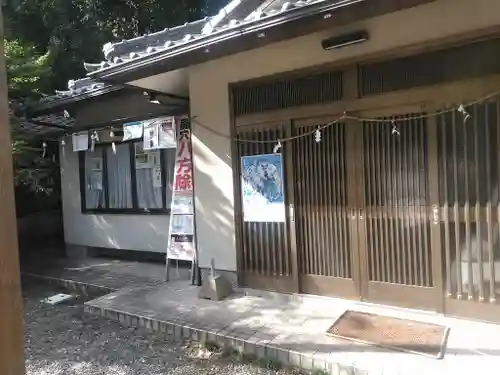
x: 94, y: 189
x: 119, y: 183
x: 127, y: 179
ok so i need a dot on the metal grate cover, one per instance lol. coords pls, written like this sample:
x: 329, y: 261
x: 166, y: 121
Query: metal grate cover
x: 472, y: 60
x: 286, y: 93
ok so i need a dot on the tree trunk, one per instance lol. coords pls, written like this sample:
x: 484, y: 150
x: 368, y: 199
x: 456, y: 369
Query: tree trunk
x: 11, y: 309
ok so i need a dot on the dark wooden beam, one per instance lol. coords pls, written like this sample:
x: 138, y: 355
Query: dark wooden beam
x: 11, y: 303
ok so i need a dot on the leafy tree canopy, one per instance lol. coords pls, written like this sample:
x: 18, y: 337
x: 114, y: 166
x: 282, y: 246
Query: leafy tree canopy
x: 74, y: 31
x: 28, y: 76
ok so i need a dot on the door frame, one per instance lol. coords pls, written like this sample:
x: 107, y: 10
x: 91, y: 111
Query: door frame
x: 327, y: 285
x: 427, y: 298
x: 258, y: 280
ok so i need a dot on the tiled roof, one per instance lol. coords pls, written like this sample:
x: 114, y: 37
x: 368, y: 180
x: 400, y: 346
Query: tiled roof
x: 46, y: 125
x: 235, y: 13
x: 75, y: 87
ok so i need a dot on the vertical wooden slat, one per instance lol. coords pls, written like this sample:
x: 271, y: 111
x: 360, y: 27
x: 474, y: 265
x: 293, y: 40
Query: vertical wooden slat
x: 489, y: 223
x: 416, y: 147
x: 401, y: 213
x: 332, y: 243
x: 491, y: 260
x: 314, y: 199
x: 271, y: 230
x: 391, y: 156
x: 456, y: 203
x: 382, y: 199
x: 470, y: 288
x: 336, y: 182
x: 342, y: 243
x: 321, y: 206
x: 290, y: 259
x: 424, y: 221
x: 261, y: 228
x: 369, y: 187
x: 434, y: 194
x: 397, y: 209
x: 300, y: 212
x: 414, y: 234
x: 406, y: 138
x: 411, y: 207
x: 446, y: 204
x: 376, y: 217
x: 477, y: 175
x: 489, y: 139
x: 347, y: 246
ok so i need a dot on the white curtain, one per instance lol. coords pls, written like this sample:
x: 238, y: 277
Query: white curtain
x: 119, y: 179
x: 148, y: 196
x: 94, y: 194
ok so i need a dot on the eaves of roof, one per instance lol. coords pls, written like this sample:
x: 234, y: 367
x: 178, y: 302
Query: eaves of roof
x: 58, y: 101
x: 241, y: 36
x: 231, y: 32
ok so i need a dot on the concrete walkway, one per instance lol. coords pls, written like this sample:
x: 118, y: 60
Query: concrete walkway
x: 291, y: 329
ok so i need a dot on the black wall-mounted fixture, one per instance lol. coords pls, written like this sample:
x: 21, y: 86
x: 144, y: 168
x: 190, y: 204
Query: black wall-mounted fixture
x: 345, y: 40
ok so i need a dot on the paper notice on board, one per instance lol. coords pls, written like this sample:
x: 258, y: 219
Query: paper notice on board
x: 166, y: 133
x: 132, y: 130
x: 80, y: 141
x: 150, y: 135
x: 181, y: 247
x: 156, y: 171
x: 182, y: 205
x: 182, y: 224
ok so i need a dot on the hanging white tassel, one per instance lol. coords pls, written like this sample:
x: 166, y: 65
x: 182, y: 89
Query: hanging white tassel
x: 44, y: 153
x: 395, y: 130
x: 277, y: 147
x: 461, y: 109
x: 113, y: 146
x: 317, y: 135
x: 94, y: 139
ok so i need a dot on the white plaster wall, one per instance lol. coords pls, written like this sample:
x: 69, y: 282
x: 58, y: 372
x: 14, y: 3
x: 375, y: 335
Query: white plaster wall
x: 130, y: 232
x: 210, y: 102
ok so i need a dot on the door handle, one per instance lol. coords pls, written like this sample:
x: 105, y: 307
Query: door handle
x: 360, y: 214
x: 435, y: 214
x: 291, y: 213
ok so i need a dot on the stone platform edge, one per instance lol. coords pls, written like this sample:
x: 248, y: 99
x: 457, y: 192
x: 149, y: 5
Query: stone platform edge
x: 253, y: 346
x: 79, y: 287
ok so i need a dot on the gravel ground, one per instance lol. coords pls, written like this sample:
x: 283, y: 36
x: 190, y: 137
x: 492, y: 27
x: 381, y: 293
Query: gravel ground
x: 63, y: 340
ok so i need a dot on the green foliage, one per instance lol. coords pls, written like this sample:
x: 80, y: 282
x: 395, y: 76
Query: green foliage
x: 74, y: 31
x: 46, y: 43
x: 28, y: 74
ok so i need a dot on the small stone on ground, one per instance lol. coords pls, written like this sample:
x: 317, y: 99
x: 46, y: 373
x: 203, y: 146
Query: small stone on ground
x: 62, y: 340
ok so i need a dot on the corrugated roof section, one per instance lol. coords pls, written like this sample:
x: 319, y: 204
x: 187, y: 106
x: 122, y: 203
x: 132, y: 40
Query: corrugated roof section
x: 232, y: 15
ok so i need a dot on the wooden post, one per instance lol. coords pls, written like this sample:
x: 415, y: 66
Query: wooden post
x: 11, y: 310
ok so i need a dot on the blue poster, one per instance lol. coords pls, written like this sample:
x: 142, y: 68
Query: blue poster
x: 262, y: 188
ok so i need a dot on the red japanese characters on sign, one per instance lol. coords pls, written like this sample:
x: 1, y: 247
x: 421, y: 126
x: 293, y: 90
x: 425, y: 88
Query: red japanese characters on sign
x: 181, y: 242
x: 184, y: 168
